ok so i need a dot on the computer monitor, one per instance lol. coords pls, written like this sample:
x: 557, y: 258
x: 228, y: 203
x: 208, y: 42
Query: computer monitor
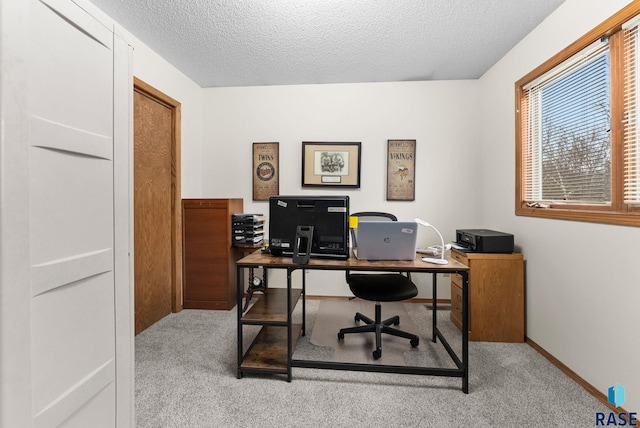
x: 329, y: 216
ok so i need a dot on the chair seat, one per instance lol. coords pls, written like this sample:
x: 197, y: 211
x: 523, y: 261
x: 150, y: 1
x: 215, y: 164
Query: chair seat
x: 391, y: 287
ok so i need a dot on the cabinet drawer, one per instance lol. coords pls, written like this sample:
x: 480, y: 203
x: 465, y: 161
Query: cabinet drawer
x: 460, y: 257
x: 456, y: 301
x: 456, y: 306
x: 457, y: 280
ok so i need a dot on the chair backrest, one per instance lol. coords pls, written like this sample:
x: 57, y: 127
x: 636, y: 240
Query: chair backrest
x: 370, y: 216
x: 375, y: 216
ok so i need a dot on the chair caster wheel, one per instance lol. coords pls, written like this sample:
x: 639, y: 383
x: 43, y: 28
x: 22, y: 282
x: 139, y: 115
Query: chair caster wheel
x: 377, y: 354
x: 415, y: 343
x: 340, y: 335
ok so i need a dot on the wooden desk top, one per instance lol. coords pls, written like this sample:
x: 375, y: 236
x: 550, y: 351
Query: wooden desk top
x: 256, y: 259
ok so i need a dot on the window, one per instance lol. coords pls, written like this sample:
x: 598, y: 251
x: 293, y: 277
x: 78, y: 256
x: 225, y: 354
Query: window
x: 577, y: 150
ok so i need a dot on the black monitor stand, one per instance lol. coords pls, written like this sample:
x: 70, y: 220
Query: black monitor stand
x: 302, y: 246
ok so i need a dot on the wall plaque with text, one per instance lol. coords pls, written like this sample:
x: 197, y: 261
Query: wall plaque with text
x: 401, y: 162
x: 265, y: 171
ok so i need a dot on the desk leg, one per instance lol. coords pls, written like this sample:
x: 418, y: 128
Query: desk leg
x: 239, y: 290
x: 289, y: 326
x: 465, y: 331
x: 434, y: 294
x: 304, y: 302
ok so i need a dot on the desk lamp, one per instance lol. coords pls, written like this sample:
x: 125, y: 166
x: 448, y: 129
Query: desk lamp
x: 441, y: 260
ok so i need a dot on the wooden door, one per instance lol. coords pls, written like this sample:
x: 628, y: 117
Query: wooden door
x: 155, y: 217
x: 63, y: 265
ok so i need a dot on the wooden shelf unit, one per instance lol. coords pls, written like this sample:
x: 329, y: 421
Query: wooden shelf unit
x: 496, y: 296
x: 268, y: 352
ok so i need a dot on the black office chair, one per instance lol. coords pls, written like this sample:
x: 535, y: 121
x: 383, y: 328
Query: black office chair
x: 379, y: 287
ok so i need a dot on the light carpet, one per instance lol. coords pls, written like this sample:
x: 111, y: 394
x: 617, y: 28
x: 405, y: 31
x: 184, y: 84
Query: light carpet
x: 185, y: 376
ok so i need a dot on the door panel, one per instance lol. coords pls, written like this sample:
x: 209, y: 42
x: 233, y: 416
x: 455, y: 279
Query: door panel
x: 152, y: 210
x: 94, y: 413
x: 70, y: 70
x: 65, y: 239
x: 71, y: 216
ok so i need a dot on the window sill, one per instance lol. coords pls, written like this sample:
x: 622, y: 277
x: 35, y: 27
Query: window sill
x: 591, y: 216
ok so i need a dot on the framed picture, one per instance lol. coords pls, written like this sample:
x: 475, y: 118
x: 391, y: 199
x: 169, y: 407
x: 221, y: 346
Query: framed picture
x: 401, y: 171
x: 265, y: 171
x: 331, y: 164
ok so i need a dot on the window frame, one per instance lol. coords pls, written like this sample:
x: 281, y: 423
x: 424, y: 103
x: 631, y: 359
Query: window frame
x: 617, y: 212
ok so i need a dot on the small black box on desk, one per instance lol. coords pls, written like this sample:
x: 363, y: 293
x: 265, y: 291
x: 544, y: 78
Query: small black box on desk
x: 484, y: 241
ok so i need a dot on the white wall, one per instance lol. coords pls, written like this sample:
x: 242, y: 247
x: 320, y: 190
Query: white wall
x: 582, y: 279
x: 441, y: 116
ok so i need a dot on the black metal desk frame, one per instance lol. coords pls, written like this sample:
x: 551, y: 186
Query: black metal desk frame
x: 461, y: 362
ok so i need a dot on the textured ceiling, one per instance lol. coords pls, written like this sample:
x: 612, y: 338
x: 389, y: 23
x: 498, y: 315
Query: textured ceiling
x: 281, y: 42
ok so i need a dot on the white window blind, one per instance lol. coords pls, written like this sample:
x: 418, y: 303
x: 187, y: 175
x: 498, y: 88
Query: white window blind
x: 566, y: 130
x: 631, y: 146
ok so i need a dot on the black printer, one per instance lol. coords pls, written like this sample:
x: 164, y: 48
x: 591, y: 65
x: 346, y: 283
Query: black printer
x: 484, y: 241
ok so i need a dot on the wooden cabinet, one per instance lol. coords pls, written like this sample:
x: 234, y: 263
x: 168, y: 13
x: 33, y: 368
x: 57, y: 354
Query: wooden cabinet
x: 496, y: 296
x: 209, y: 269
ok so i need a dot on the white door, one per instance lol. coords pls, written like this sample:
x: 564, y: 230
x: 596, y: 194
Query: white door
x: 63, y: 233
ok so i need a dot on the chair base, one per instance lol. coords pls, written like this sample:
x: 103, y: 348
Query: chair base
x: 378, y: 327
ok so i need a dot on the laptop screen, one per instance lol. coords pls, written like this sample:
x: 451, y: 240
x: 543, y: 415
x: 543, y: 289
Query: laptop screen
x: 386, y: 240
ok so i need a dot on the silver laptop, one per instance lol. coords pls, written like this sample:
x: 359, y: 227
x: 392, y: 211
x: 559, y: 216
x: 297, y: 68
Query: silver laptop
x: 386, y: 240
